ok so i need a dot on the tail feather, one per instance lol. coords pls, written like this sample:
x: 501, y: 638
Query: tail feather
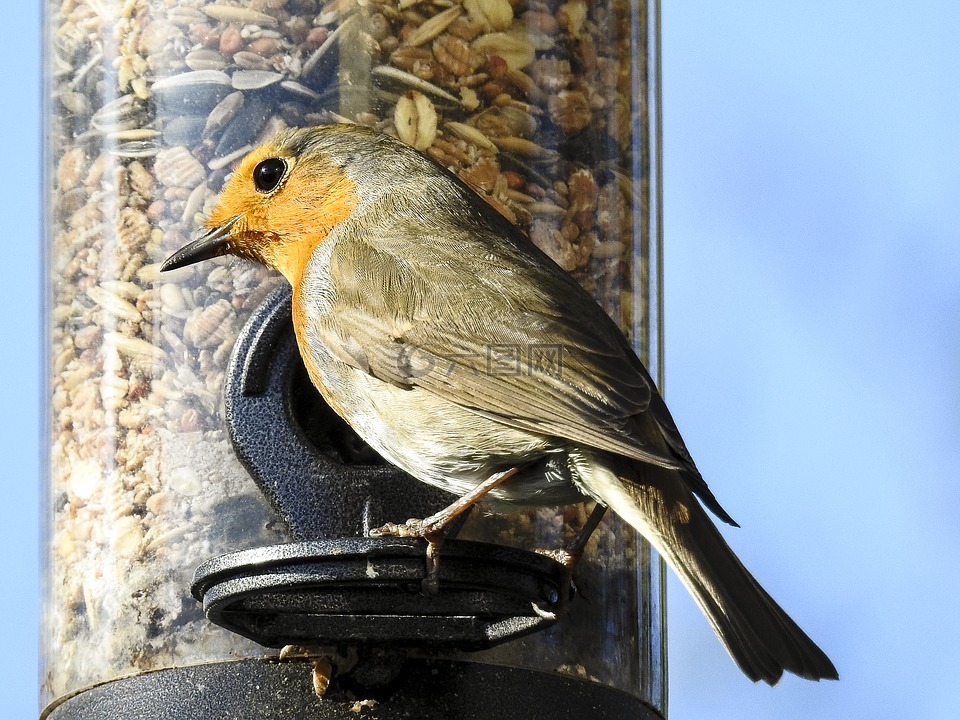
x: 762, y: 639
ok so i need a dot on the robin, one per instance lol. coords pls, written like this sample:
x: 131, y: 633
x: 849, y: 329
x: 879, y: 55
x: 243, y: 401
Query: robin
x: 403, y: 281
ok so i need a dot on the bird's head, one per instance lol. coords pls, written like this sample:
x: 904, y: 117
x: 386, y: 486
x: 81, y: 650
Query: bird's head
x: 283, y: 199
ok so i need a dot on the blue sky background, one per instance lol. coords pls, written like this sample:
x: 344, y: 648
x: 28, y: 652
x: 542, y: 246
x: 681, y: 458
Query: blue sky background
x: 812, y: 215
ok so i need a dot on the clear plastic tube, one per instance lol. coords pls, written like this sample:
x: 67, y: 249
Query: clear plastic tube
x: 549, y: 110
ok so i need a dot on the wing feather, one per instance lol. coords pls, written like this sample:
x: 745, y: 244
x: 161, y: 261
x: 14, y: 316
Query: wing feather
x: 410, y: 321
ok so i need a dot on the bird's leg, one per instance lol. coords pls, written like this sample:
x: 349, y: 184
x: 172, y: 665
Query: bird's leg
x: 432, y: 528
x: 572, y: 552
x: 568, y: 557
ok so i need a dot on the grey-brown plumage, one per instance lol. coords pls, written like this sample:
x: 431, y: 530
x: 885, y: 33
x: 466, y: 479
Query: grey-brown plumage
x: 396, y: 310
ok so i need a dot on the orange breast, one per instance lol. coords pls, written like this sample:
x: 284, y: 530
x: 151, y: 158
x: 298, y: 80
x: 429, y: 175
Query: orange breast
x: 311, y: 206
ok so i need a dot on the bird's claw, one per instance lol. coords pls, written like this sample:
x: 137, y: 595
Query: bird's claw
x: 427, y: 530
x: 412, y: 528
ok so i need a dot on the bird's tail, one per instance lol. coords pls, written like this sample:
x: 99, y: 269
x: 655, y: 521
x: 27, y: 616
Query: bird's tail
x: 757, y: 633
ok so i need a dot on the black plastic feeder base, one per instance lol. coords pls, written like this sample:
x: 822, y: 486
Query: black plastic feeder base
x: 425, y: 689
x: 367, y: 592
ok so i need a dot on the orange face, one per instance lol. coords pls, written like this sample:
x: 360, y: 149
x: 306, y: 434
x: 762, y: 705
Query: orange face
x: 280, y: 207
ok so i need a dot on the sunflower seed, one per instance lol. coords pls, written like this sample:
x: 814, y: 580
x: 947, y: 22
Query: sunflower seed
x: 192, y: 79
x: 391, y: 76
x: 221, y: 162
x: 136, y: 149
x: 192, y: 93
x: 244, y: 128
x: 254, y: 79
x: 183, y: 130
x: 134, y: 134
x: 124, y: 113
x: 301, y: 91
x: 312, y: 65
x: 222, y: 114
x: 205, y: 59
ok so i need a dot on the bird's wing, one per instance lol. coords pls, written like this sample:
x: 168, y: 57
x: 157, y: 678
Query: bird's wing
x: 495, y: 326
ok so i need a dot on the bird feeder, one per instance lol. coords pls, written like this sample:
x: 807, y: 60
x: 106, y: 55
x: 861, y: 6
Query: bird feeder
x: 204, y: 507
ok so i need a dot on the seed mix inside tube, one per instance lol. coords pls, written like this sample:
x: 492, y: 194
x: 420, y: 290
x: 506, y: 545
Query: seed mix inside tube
x: 535, y: 104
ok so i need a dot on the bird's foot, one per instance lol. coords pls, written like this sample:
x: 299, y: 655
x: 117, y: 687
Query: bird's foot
x: 568, y: 557
x: 412, y: 528
x: 431, y: 531
x: 432, y: 528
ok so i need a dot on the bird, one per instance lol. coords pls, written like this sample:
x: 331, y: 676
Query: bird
x: 404, y: 280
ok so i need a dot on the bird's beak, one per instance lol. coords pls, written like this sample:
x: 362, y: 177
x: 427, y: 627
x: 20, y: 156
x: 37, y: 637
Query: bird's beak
x: 213, y: 243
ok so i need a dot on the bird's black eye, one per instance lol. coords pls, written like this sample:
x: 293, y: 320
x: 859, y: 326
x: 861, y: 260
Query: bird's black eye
x: 268, y: 174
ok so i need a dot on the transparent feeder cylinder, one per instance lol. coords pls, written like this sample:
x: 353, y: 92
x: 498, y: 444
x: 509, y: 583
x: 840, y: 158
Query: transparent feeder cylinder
x: 549, y: 110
